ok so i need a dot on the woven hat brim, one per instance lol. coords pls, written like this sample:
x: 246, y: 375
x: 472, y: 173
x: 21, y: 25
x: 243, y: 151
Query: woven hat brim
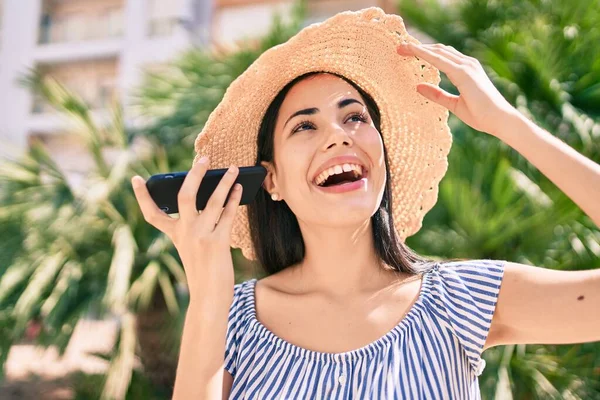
x: 360, y: 45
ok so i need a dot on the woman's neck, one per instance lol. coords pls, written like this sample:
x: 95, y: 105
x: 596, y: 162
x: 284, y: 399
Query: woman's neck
x: 340, y: 261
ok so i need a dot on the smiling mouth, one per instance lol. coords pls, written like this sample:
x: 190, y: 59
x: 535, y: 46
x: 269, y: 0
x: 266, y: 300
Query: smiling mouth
x: 341, y: 178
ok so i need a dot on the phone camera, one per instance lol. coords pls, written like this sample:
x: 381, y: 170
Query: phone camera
x: 165, y: 209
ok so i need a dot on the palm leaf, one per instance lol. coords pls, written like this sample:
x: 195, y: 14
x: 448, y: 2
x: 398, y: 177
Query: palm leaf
x: 56, y: 306
x: 42, y: 278
x: 120, y: 270
x: 122, y: 365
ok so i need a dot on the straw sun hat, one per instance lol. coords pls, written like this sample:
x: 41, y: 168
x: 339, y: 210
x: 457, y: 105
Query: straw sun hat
x: 361, y: 46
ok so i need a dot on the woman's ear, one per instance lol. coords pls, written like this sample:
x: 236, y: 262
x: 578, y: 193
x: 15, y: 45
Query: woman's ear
x: 270, y: 180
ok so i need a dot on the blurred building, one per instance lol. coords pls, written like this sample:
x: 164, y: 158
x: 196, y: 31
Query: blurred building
x: 95, y: 47
x: 236, y: 19
x: 99, y: 48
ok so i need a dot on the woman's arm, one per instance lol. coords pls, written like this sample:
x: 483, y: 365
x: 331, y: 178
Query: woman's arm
x: 577, y: 176
x: 540, y: 305
x: 203, y: 243
x: 543, y: 306
x: 200, y: 370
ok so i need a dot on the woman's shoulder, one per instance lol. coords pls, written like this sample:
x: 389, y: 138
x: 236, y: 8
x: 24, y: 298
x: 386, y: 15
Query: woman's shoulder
x: 460, y: 266
x: 464, y: 263
x: 238, y: 322
x: 463, y: 295
x: 241, y: 287
x: 466, y: 287
x: 472, y: 271
x: 240, y: 311
x: 242, y: 292
x: 467, y: 274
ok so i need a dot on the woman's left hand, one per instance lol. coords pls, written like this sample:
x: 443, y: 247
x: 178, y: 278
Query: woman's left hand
x: 480, y: 105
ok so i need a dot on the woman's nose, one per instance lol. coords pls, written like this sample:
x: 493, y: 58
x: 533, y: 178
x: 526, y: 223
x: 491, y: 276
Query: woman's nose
x: 337, y: 136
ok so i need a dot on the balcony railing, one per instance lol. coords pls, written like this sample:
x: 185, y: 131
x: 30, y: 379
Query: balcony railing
x: 77, y: 28
x: 99, y: 99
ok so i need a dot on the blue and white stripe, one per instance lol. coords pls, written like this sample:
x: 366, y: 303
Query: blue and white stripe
x: 433, y: 353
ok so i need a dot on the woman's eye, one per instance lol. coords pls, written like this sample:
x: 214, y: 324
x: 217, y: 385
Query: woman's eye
x: 300, y: 126
x: 361, y: 117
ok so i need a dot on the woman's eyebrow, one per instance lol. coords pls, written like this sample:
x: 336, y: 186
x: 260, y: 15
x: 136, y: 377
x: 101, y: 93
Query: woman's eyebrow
x: 310, y: 111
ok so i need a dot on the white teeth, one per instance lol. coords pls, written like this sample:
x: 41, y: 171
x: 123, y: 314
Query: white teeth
x: 338, y: 169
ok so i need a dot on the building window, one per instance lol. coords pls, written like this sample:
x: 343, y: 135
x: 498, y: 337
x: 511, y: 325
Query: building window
x: 94, y: 82
x: 106, y: 93
x: 163, y: 17
x: 77, y: 27
x: 114, y: 21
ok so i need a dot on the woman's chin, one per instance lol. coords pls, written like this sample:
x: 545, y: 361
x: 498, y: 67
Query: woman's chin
x: 347, y: 215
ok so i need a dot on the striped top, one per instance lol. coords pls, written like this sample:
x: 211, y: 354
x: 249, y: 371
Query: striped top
x: 433, y: 353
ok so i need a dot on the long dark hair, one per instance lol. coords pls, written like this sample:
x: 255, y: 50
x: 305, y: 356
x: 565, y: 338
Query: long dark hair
x: 274, y: 228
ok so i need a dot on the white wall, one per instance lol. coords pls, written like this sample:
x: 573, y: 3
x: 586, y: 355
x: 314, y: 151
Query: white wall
x: 19, y: 37
x: 231, y: 24
x: 140, y: 49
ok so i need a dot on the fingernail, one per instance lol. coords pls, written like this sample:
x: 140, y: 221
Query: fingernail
x: 403, y: 48
x: 203, y: 160
x: 136, y: 181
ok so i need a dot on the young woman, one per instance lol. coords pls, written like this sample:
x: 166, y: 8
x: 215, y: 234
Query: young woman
x: 352, y: 128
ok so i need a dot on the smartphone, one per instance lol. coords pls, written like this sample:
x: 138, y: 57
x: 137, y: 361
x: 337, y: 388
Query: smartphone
x: 163, y: 188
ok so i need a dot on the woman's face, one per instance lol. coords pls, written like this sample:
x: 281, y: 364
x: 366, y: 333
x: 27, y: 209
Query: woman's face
x: 307, y: 143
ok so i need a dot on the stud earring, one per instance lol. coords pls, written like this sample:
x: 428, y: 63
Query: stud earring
x: 274, y: 197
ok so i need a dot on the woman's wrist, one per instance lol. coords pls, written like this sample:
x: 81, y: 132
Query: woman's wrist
x: 513, y: 129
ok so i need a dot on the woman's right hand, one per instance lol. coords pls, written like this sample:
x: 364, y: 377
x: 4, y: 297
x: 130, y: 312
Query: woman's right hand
x: 201, y: 239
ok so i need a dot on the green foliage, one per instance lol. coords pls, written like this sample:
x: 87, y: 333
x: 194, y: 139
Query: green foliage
x: 492, y: 202
x: 85, y: 387
x: 74, y: 252
x: 84, y: 249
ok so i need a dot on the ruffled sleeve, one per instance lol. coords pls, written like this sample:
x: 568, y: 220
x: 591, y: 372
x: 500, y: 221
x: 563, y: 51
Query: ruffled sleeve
x: 234, y: 323
x: 468, y: 291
